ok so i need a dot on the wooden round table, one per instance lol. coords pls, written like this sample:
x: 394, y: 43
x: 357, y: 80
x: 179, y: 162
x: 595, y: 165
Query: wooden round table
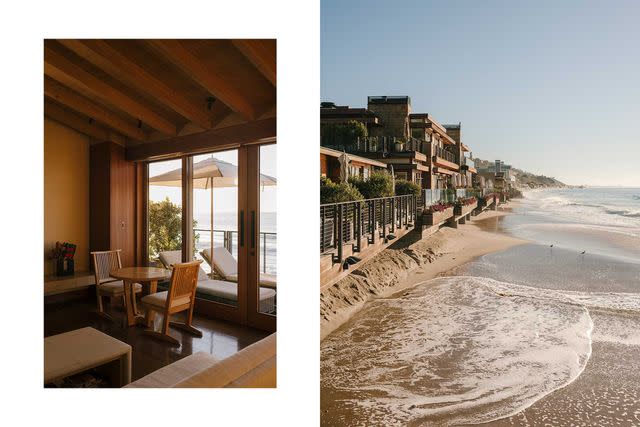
x: 142, y: 275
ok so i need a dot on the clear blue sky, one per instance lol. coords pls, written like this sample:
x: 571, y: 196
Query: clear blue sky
x: 549, y: 86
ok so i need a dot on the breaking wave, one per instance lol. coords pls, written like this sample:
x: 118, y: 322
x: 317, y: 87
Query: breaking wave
x: 463, y: 350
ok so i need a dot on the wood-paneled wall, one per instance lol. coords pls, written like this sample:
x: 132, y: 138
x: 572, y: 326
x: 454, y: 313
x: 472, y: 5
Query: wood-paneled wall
x: 113, y: 201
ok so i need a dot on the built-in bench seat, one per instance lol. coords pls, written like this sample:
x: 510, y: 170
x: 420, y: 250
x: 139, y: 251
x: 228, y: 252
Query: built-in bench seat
x: 253, y: 366
x: 222, y: 291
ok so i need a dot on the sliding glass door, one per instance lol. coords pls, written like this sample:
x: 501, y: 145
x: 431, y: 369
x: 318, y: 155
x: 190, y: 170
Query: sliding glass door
x: 215, y: 225
x: 220, y: 207
x: 262, y: 248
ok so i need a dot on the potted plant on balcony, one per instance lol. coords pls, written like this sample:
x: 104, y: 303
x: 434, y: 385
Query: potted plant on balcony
x: 464, y: 205
x: 437, y: 213
x: 62, y: 254
x: 398, y: 145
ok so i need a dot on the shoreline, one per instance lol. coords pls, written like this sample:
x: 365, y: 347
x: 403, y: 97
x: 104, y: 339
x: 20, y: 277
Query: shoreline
x: 406, y: 264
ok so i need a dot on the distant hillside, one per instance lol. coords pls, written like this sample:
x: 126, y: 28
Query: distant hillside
x: 529, y: 180
x: 526, y: 179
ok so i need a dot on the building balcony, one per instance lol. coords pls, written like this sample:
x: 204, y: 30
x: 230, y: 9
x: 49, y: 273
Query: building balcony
x: 444, y: 159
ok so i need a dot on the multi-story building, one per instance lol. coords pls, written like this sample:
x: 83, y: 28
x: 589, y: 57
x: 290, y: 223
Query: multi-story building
x: 358, y: 166
x: 498, y: 173
x: 419, y: 148
x: 331, y: 113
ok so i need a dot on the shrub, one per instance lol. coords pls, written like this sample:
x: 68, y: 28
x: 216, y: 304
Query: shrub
x: 404, y: 187
x: 331, y: 192
x: 379, y: 184
x: 342, y: 134
x: 437, y: 207
x: 165, y: 228
x: 462, y: 201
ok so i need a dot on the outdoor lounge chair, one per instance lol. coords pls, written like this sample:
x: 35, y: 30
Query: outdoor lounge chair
x: 179, y: 297
x: 225, y: 264
x: 103, y: 263
x: 225, y: 292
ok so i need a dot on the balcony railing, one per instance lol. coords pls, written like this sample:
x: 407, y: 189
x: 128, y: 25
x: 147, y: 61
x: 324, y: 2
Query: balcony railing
x: 348, y: 223
x: 229, y: 239
x: 385, y: 145
x: 373, y: 219
x: 444, y: 154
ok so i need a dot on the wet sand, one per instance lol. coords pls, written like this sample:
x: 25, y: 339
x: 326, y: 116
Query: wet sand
x: 607, y: 392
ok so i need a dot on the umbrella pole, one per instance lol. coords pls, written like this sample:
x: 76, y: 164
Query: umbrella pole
x: 211, y: 242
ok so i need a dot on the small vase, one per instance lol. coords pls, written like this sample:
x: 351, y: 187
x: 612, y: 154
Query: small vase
x: 60, y: 267
x: 64, y: 267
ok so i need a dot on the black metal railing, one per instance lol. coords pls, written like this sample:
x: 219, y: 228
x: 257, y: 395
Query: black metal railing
x: 384, y: 145
x: 348, y: 223
x: 444, y: 154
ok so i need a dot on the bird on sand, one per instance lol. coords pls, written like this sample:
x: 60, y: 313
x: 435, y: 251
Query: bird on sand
x: 582, y: 253
x: 551, y: 246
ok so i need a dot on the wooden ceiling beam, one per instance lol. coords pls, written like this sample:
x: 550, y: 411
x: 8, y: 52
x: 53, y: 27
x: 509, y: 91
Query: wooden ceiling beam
x: 56, y: 63
x: 56, y: 112
x: 180, y: 56
x: 105, y: 56
x: 72, y: 100
x: 223, y: 138
x: 259, y: 53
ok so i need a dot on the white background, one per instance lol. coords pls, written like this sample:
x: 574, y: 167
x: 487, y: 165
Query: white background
x: 24, y: 25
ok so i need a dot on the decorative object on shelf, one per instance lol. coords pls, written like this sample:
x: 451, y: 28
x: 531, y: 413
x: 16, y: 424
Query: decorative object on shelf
x: 62, y: 254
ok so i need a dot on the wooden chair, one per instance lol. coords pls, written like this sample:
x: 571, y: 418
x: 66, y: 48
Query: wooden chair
x: 180, y: 297
x: 103, y: 263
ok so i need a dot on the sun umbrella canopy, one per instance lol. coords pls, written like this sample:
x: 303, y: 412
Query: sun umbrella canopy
x: 207, y: 173
x: 344, y: 167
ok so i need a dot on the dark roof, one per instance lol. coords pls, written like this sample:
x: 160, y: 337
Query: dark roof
x: 389, y: 100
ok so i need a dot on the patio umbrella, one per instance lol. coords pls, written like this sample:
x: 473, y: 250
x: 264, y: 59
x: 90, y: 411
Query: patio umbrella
x: 208, y: 174
x: 393, y: 181
x: 344, y: 167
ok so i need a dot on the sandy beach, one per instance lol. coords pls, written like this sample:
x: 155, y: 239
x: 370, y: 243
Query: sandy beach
x: 406, y: 263
x: 486, y: 327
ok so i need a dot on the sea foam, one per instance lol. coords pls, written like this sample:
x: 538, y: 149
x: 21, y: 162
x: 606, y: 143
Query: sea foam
x: 457, y: 350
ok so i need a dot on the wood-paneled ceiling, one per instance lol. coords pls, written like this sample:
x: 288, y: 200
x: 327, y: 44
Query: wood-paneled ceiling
x: 135, y: 92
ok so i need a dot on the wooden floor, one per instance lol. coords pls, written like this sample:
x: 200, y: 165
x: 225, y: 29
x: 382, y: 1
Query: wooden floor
x: 220, y: 338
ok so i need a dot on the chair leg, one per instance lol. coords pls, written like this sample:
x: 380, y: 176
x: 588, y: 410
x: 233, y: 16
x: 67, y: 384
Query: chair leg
x: 187, y: 326
x: 133, y: 302
x: 99, y: 297
x: 101, y: 311
x: 164, y: 335
x: 165, y: 324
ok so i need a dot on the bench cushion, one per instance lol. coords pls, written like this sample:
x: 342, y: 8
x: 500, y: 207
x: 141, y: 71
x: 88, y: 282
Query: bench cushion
x: 159, y: 299
x: 228, y: 290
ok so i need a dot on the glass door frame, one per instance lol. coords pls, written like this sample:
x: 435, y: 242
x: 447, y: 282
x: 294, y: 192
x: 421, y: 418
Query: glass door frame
x: 252, y: 248
x: 248, y: 210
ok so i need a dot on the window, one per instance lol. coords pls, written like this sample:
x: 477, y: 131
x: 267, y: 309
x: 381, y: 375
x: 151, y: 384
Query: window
x: 164, y: 209
x: 268, y: 229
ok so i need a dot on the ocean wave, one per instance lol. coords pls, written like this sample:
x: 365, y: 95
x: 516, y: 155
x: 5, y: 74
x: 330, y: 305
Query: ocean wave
x: 624, y: 212
x: 458, y: 350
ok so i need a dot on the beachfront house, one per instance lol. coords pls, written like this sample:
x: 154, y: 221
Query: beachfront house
x: 159, y: 213
x: 418, y: 147
x: 500, y: 174
x: 358, y: 166
x: 467, y: 169
x: 388, y: 140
